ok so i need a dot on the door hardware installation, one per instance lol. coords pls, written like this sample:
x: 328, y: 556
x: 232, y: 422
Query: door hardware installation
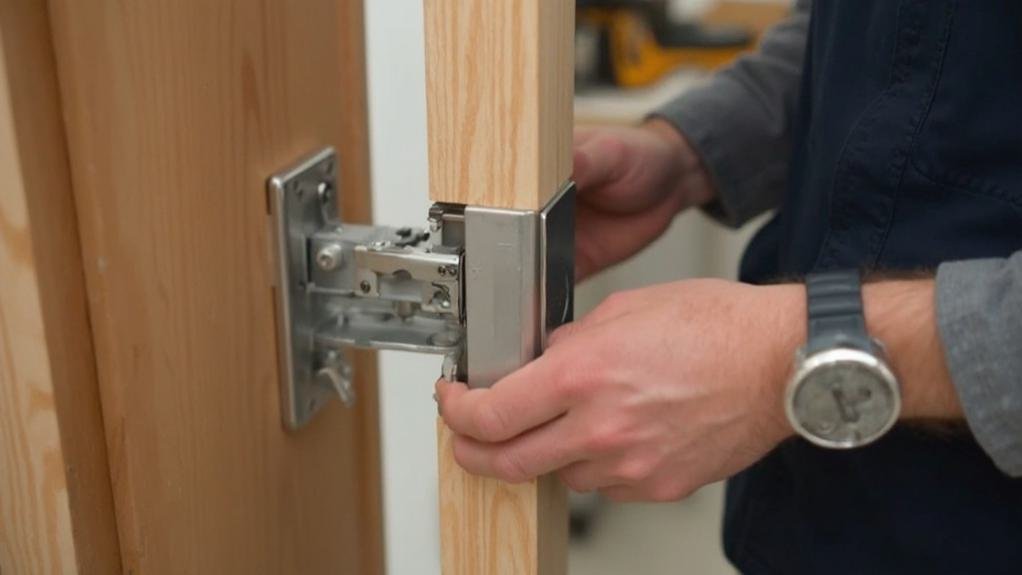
x: 480, y: 286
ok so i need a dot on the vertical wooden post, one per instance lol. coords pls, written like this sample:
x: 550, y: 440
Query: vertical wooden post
x: 56, y: 504
x: 499, y: 90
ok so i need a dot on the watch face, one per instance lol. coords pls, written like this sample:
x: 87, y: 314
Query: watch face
x: 843, y: 398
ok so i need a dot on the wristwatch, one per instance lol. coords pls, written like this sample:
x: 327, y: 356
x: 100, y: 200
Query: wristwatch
x: 843, y: 394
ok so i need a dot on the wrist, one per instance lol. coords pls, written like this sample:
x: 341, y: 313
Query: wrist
x: 785, y: 333
x: 695, y: 185
x: 901, y: 315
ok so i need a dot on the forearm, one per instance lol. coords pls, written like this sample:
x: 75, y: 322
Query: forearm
x: 740, y: 121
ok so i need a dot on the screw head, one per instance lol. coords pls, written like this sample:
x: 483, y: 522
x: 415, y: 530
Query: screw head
x: 329, y: 257
x: 365, y: 287
x: 442, y: 300
x: 325, y: 191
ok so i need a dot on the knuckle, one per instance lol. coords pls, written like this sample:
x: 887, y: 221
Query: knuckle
x: 633, y: 471
x: 605, y: 438
x: 666, y: 492
x: 570, y: 384
x: 509, y: 467
x: 572, y: 481
x: 462, y: 459
x: 490, y: 422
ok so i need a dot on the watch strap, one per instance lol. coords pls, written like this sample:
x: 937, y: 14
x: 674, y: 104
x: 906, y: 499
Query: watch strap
x: 835, y: 311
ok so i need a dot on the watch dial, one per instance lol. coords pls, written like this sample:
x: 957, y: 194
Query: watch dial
x: 845, y: 403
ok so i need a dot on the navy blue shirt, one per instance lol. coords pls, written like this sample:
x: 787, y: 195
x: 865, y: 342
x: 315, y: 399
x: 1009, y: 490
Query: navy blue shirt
x: 908, y: 152
x: 905, y: 152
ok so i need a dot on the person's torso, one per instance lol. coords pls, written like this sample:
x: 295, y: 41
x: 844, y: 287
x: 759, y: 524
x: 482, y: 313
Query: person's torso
x: 908, y: 154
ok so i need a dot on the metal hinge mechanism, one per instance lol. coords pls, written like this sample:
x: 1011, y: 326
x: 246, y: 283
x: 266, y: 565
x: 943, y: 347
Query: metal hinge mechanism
x: 343, y: 286
x: 357, y: 286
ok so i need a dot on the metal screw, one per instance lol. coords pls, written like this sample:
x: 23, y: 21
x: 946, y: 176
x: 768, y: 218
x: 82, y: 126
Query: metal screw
x: 442, y: 299
x: 365, y: 287
x: 329, y: 257
x: 325, y: 191
x: 442, y: 271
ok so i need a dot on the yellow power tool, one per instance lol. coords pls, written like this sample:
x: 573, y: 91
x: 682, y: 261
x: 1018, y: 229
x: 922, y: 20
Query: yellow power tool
x: 634, y: 43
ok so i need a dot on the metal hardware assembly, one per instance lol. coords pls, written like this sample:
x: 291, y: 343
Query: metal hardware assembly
x: 504, y: 278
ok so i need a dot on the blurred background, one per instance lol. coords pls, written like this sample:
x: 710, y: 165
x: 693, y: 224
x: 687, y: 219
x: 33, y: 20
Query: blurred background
x: 631, y: 57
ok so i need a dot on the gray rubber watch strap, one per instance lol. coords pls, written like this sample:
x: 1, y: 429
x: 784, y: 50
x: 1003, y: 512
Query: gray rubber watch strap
x: 836, y: 316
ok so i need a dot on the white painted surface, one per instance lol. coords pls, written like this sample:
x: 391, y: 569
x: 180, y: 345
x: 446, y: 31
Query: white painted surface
x: 397, y: 120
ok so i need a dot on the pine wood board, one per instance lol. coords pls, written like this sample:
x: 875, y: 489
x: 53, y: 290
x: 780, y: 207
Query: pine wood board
x: 56, y: 505
x: 493, y: 528
x: 500, y: 83
x: 176, y: 113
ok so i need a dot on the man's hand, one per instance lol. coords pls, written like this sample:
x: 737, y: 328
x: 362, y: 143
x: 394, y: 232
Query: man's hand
x: 632, y: 182
x: 654, y: 394
x: 662, y: 390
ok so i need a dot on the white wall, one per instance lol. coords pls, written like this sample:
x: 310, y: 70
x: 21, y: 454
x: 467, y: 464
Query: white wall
x: 397, y: 122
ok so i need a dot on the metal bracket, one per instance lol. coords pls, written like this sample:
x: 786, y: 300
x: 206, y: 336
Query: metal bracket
x: 504, y: 277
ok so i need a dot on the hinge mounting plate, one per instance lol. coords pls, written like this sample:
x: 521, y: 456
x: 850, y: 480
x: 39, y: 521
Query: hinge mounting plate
x: 503, y: 278
x: 346, y: 286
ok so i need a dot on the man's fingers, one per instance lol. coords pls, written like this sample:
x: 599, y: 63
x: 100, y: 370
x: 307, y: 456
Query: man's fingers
x: 583, y: 477
x: 523, y: 458
x: 565, y: 332
x: 598, y: 161
x: 521, y: 401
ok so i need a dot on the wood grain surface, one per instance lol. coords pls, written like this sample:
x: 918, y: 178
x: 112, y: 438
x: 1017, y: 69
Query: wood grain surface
x: 494, y: 528
x: 177, y: 111
x: 500, y: 83
x: 56, y: 507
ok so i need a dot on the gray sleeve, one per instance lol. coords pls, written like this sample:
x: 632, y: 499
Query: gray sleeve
x: 740, y: 121
x: 979, y: 315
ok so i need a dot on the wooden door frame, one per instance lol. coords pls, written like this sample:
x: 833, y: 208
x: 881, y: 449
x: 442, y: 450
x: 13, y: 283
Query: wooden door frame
x: 56, y: 503
x: 500, y: 87
x: 80, y: 448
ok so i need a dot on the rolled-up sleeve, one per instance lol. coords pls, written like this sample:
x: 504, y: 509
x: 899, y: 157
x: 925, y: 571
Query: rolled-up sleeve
x: 979, y: 315
x: 739, y: 121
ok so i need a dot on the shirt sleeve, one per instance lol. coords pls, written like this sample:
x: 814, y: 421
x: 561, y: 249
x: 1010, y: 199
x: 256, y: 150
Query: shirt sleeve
x: 739, y: 121
x: 979, y: 316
